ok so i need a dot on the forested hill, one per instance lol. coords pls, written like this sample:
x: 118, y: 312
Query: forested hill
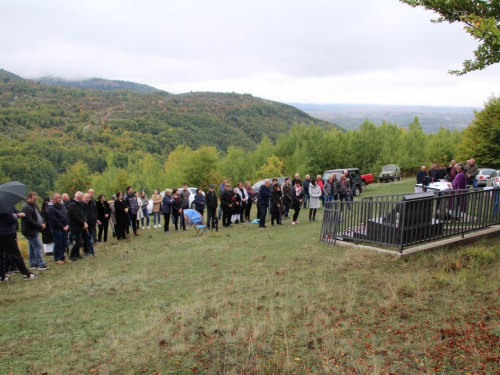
x: 45, y: 129
x: 99, y: 84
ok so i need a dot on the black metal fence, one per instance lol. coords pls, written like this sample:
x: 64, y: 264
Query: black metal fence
x: 403, y: 220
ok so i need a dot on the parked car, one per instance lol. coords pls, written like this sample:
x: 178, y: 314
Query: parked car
x: 354, y: 174
x: 483, y: 175
x: 494, y: 180
x: 367, y: 179
x: 258, y: 184
x: 390, y: 172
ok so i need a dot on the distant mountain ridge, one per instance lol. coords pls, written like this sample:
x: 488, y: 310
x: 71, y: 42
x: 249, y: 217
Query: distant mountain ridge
x: 99, y: 84
x: 351, y: 116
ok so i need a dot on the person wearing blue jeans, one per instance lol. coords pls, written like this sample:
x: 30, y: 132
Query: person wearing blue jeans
x: 144, y: 208
x: 31, y: 225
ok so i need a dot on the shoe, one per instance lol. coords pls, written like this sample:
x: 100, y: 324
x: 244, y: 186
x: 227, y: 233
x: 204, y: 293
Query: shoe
x: 297, y: 222
x: 159, y: 225
x: 147, y: 227
x: 67, y: 260
x: 59, y: 262
x: 167, y: 231
x: 185, y: 230
x: 280, y: 223
x: 4, y: 280
x: 136, y: 234
x: 294, y: 222
x: 35, y: 267
x: 31, y: 276
x: 43, y: 268
x: 143, y: 228
x: 264, y: 227
x: 74, y: 259
x: 155, y: 226
x: 10, y: 273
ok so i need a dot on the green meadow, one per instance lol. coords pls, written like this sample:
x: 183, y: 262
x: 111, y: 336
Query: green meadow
x: 250, y: 301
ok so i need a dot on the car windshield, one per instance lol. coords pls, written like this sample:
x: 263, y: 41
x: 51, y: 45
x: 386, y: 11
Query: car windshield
x: 487, y: 171
x: 388, y: 168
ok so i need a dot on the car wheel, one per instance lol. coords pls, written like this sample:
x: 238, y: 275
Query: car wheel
x: 394, y: 179
x: 379, y: 181
x: 363, y: 186
x: 399, y: 178
x: 357, y: 191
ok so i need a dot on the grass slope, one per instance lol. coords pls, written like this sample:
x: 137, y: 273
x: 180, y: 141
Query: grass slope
x: 249, y: 301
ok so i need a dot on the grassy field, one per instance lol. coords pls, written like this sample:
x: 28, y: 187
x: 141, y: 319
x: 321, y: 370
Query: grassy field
x: 250, y: 301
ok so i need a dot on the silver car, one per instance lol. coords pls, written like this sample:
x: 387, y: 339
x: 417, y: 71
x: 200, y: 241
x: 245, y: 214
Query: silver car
x: 483, y: 175
x: 494, y: 180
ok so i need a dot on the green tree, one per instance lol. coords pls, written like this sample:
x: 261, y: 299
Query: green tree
x: 76, y: 178
x: 481, y: 139
x: 273, y: 168
x: 482, y: 21
x: 202, y: 167
x: 235, y: 165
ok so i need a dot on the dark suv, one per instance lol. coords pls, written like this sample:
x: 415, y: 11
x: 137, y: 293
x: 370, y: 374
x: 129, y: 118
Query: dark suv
x: 355, y: 176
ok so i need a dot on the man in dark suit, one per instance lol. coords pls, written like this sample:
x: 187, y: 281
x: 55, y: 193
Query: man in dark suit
x: 264, y: 196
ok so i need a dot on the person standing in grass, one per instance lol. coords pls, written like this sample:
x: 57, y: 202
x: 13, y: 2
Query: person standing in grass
x: 157, y: 199
x: 287, y: 197
x: 276, y: 204
x: 59, y: 226
x: 199, y: 202
x: 314, y: 199
x: 251, y: 194
x: 235, y: 212
x: 226, y: 202
x: 121, y: 216
x: 31, y: 225
x: 103, y: 213
x: 8, y: 244
x: 264, y: 197
x: 211, y: 203
x: 77, y: 224
x: 167, y: 209
x: 297, y: 199
x: 177, y: 211
x: 144, y: 207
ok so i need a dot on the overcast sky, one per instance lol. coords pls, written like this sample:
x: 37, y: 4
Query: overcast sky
x: 332, y: 51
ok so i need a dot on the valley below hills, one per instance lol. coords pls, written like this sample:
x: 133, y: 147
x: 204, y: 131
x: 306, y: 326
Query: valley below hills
x: 351, y: 116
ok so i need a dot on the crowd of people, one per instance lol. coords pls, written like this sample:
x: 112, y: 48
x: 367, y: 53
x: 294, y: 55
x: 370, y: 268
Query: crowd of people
x: 459, y: 175
x: 70, y: 227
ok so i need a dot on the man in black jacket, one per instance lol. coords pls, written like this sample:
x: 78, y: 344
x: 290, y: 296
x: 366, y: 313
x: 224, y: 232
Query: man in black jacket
x: 31, y: 224
x: 133, y: 207
x: 226, y: 202
x: 103, y: 214
x: 93, y: 204
x: 264, y: 196
x: 211, y: 202
x: 91, y: 221
x: 77, y: 223
x: 59, y: 226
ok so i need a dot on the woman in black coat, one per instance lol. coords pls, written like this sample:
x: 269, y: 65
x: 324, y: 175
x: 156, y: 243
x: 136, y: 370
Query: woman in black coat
x: 297, y: 199
x: 47, y: 240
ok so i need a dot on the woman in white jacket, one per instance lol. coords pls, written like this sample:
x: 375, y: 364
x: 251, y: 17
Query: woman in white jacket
x: 314, y: 199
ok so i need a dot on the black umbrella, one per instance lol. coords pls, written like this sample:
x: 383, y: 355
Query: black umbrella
x: 11, y: 193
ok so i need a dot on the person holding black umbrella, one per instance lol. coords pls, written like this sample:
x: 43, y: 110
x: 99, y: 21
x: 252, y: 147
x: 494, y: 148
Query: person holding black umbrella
x: 8, y: 244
